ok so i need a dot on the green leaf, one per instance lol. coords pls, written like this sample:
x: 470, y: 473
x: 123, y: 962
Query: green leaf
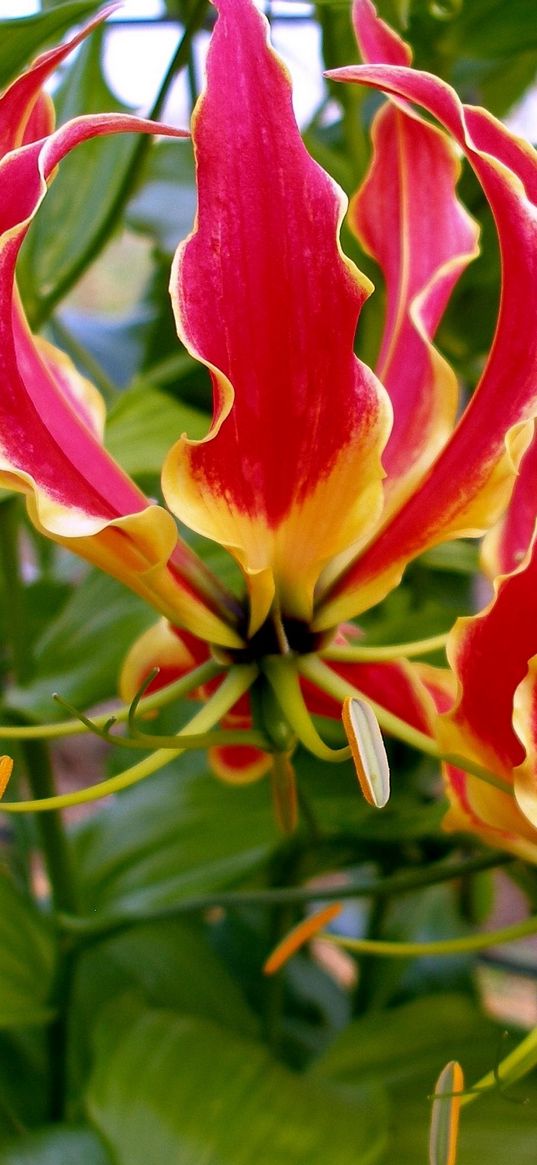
x: 21, y: 39
x: 171, y: 964
x: 27, y: 960
x: 78, y: 656
x: 171, y: 1089
x: 81, y: 208
x: 57, y: 1146
x: 406, y: 1048
x: 144, y: 425
x: 165, y: 205
x: 179, y: 834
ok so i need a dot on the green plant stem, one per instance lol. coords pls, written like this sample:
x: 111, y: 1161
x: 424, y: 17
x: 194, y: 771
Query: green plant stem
x: 165, y: 696
x: 451, y: 946
x: 367, y: 978
x: 15, y: 624
x: 291, y: 895
x: 513, y: 1067
x: 233, y: 687
x: 54, y: 841
x: 377, y: 654
x: 315, y: 670
x: 282, y: 674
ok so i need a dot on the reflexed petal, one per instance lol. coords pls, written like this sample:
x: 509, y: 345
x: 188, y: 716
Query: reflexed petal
x: 239, y: 764
x: 506, y: 544
x: 26, y: 113
x: 174, y: 653
x: 50, y: 426
x: 289, y: 474
x: 469, y: 484
x: 407, y: 216
x: 489, y: 655
x: 525, y: 723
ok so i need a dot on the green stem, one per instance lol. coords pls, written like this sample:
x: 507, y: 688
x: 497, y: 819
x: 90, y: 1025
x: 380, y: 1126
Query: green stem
x: 233, y: 687
x: 313, y: 669
x: 54, y: 842
x: 293, y: 895
x: 281, y: 672
x: 15, y: 625
x: 518, y: 1063
x: 372, y: 654
x: 195, y: 679
x: 451, y: 946
x: 368, y: 977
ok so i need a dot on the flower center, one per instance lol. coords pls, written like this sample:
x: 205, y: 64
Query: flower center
x: 278, y: 635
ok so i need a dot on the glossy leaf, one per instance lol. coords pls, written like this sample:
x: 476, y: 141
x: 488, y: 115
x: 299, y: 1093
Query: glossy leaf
x: 165, y: 205
x: 56, y: 1146
x: 406, y: 1047
x: 171, y: 964
x: 63, y: 241
x: 27, y: 960
x: 173, y: 1089
x: 179, y: 834
x: 144, y: 424
x: 77, y: 656
x: 21, y: 39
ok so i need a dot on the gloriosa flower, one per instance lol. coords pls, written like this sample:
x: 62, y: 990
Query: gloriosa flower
x: 322, y: 478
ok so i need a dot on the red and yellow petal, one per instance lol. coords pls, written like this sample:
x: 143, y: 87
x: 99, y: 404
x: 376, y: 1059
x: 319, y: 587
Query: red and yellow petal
x: 161, y: 646
x: 469, y: 484
x: 51, y: 422
x: 492, y: 721
x: 406, y: 215
x: 505, y: 546
x: 26, y: 112
x: 289, y: 473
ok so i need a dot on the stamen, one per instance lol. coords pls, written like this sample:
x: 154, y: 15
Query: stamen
x: 368, y: 751
x: 6, y: 769
x: 300, y: 934
x: 445, y: 1115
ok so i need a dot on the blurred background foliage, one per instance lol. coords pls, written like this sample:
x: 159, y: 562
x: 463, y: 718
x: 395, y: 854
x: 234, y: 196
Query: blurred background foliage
x: 140, y: 1028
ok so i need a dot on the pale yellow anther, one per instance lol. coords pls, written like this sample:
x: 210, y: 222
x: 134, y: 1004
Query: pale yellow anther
x: 368, y: 751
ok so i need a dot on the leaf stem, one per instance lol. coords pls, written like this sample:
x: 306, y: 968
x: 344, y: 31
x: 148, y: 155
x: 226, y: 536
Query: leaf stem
x: 315, y: 670
x: 451, y: 946
x: 195, y: 679
x: 382, y: 652
x: 282, y: 674
x: 293, y: 895
x: 514, y: 1066
x: 15, y: 625
x: 232, y: 688
x: 55, y: 845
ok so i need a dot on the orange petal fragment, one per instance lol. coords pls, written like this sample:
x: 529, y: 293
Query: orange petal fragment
x: 300, y: 935
x: 6, y: 769
x: 445, y: 1115
x: 368, y: 751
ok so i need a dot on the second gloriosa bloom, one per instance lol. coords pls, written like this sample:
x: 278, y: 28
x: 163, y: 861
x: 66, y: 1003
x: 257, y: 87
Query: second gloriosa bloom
x: 323, y: 478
